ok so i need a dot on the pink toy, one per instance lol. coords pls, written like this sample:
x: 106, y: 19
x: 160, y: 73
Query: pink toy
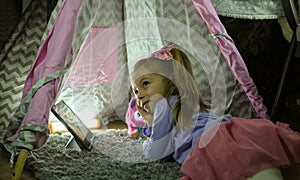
x: 137, y: 125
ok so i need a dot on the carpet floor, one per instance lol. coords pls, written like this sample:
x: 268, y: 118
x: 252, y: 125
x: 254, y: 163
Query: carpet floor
x: 114, y: 156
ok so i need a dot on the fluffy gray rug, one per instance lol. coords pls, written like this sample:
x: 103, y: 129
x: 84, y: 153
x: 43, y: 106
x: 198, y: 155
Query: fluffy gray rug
x: 114, y: 156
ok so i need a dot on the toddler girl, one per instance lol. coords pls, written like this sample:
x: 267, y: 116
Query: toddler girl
x: 207, y: 146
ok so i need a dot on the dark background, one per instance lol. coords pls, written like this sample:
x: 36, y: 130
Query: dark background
x: 264, y: 50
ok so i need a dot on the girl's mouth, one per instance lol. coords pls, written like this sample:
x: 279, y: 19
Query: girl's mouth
x: 146, y: 106
x: 145, y: 103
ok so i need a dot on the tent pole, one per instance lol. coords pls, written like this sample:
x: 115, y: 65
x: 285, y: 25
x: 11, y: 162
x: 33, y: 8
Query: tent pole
x: 290, y: 55
x: 18, y: 169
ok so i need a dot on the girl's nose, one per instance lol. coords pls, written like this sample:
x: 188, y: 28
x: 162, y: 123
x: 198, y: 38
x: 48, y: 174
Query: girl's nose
x: 140, y: 95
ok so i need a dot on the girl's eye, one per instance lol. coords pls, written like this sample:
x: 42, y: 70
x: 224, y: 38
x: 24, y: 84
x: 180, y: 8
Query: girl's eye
x: 136, y: 91
x: 145, y: 83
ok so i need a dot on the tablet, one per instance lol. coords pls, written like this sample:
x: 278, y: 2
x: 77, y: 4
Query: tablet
x: 81, y: 133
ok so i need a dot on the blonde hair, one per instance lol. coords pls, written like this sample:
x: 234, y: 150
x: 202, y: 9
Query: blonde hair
x: 180, y: 81
x: 190, y: 95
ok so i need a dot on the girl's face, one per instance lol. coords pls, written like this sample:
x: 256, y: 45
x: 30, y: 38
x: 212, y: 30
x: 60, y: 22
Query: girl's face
x: 148, y: 89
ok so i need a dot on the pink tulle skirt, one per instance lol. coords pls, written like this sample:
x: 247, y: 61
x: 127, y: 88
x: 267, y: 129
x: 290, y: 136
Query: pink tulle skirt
x: 241, y: 148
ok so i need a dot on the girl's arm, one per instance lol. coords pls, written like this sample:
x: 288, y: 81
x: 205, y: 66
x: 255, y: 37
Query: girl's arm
x: 160, y: 143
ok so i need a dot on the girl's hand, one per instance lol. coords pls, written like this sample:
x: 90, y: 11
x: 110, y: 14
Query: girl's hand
x: 143, y: 110
x: 147, y: 110
x: 146, y: 115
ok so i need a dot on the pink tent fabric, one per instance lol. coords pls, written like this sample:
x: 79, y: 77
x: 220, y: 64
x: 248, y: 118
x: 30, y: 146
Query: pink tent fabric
x: 97, y: 62
x: 50, y: 59
x: 234, y: 59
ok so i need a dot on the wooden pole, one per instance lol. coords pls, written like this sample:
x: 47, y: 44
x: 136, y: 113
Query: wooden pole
x: 18, y: 169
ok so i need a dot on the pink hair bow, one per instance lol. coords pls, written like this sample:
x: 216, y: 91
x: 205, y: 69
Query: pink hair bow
x: 164, y: 53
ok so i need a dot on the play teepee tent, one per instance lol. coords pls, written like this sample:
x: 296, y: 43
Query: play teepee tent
x: 18, y: 55
x: 90, y: 49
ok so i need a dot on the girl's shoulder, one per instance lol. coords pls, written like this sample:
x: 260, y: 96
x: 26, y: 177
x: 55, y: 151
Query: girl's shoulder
x: 172, y: 100
x: 164, y: 107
